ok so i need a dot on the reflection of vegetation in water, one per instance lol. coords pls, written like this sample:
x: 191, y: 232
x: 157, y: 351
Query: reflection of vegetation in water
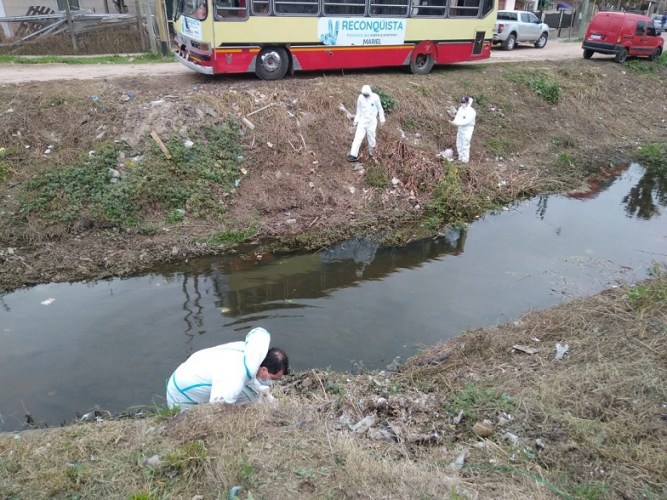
x: 650, y: 192
x: 643, y: 199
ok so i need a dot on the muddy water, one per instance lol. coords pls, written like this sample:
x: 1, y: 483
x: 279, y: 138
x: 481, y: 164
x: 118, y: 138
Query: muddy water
x: 113, y: 343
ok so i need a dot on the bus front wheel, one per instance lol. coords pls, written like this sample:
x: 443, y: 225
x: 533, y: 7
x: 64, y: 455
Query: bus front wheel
x: 272, y: 63
x: 422, y: 64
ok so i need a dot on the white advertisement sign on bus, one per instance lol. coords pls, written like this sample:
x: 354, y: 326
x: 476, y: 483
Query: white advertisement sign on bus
x: 346, y: 31
x: 191, y: 28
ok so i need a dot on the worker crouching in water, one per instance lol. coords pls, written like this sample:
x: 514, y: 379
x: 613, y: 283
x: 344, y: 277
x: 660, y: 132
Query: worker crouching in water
x: 368, y: 109
x: 465, y: 121
x: 237, y: 372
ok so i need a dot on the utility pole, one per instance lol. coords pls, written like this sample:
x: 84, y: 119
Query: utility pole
x: 150, y: 26
x: 583, y: 19
x: 70, y: 26
x: 162, y: 26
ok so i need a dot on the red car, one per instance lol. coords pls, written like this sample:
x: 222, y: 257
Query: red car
x: 622, y: 34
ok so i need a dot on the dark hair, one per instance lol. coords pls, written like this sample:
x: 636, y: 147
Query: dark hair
x: 276, y: 360
x: 465, y: 99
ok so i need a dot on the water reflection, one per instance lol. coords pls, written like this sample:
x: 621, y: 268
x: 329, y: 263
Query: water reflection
x: 644, y: 197
x: 277, y: 285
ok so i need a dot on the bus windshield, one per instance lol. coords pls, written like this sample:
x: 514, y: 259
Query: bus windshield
x: 196, y: 9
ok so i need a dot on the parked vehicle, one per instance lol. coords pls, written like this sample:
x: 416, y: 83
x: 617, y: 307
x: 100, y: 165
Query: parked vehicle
x: 657, y: 22
x: 514, y: 26
x: 622, y: 34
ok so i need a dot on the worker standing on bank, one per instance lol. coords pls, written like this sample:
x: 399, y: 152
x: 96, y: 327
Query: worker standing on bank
x: 465, y: 121
x: 366, y: 121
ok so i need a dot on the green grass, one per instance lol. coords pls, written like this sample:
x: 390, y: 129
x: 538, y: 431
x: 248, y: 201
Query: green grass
x: 377, y: 176
x: 232, y: 236
x: 113, y: 59
x: 452, y: 203
x: 651, y: 292
x: 546, y: 88
x: 652, y: 156
x: 641, y: 66
x: 475, y: 399
x: 193, y: 182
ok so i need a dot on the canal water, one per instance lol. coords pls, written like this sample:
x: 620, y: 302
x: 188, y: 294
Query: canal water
x: 111, y: 344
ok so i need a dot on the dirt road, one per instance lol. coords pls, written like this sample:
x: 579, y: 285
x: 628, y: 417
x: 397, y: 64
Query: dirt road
x: 20, y: 73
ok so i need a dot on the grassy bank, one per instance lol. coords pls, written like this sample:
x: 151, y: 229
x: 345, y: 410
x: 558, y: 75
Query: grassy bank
x: 476, y: 417
x: 83, y: 174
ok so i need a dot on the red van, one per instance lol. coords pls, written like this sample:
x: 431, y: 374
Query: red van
x: 624, y: 35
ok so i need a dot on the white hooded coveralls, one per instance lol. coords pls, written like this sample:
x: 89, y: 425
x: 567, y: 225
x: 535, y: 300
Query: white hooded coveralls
x: 223, y: 373
x: 368, y: 109
x: 465, y: 120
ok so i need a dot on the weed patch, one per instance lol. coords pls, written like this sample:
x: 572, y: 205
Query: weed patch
x: 544, y: 87
x: 475, y: 399
x: 188, y: 461
x: 103, y: 190
x: 652, y: 156
x: 377, y: 176
x: 453, y: 201
x: 387, y: 101
x: 642, y: 67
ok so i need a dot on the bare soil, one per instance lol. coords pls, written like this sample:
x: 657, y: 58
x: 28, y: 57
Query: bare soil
x: 295, y: 157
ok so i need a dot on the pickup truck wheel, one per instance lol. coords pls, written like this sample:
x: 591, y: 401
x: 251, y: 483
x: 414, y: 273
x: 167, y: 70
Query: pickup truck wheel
x: 510, y: 43
x: 656, y: 54
x: 422, y: 64
x: 621, y: 56
x: 541, y: 41
x: 588, y: 54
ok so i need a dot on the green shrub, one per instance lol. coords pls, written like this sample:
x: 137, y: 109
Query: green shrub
x: 388, y: 102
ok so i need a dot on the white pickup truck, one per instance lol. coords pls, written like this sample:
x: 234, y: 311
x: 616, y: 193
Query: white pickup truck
x: 514, y: 26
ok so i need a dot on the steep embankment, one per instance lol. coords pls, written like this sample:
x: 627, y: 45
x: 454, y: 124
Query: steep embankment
x: 87, y: 192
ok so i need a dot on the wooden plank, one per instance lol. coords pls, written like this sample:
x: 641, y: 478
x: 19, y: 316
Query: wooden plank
x: 164, y: 149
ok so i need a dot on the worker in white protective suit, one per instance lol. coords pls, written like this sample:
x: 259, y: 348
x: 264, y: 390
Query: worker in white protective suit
x: 465, y: 121
x: 237, y: 372
x: 368, y: 109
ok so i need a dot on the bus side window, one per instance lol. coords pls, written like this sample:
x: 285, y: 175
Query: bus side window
x: 389, y: 8
x: 429, y: 8
x: 464, y: 8
x: 487, y: 6
x: 296, y: 7
x: 260, y: 7
x: 231, y: 9
x: 344, y: 7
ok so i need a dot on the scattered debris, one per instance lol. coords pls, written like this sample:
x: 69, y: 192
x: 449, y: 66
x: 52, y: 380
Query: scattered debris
x: 525, y: 348
x: 561, y: 350
x: 248, y: 123
x: 394, y: 365
x: 48, y: 301
x: 364, y: 424
x: 159, y: 142
x: 458, y: 418
x: 153, y: 461
x: 349, y: 115
x: 460, y: 459
x: 482, y: 430
x: 512, y: 438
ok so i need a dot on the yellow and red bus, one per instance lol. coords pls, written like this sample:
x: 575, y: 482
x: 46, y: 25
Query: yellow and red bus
x: 272, y: 37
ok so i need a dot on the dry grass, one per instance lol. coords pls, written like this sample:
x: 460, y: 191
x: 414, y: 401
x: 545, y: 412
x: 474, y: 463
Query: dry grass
x: 597, y: 416
x: 109, y: 40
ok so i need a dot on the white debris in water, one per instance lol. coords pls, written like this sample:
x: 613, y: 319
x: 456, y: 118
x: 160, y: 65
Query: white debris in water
x: 47, y: 301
